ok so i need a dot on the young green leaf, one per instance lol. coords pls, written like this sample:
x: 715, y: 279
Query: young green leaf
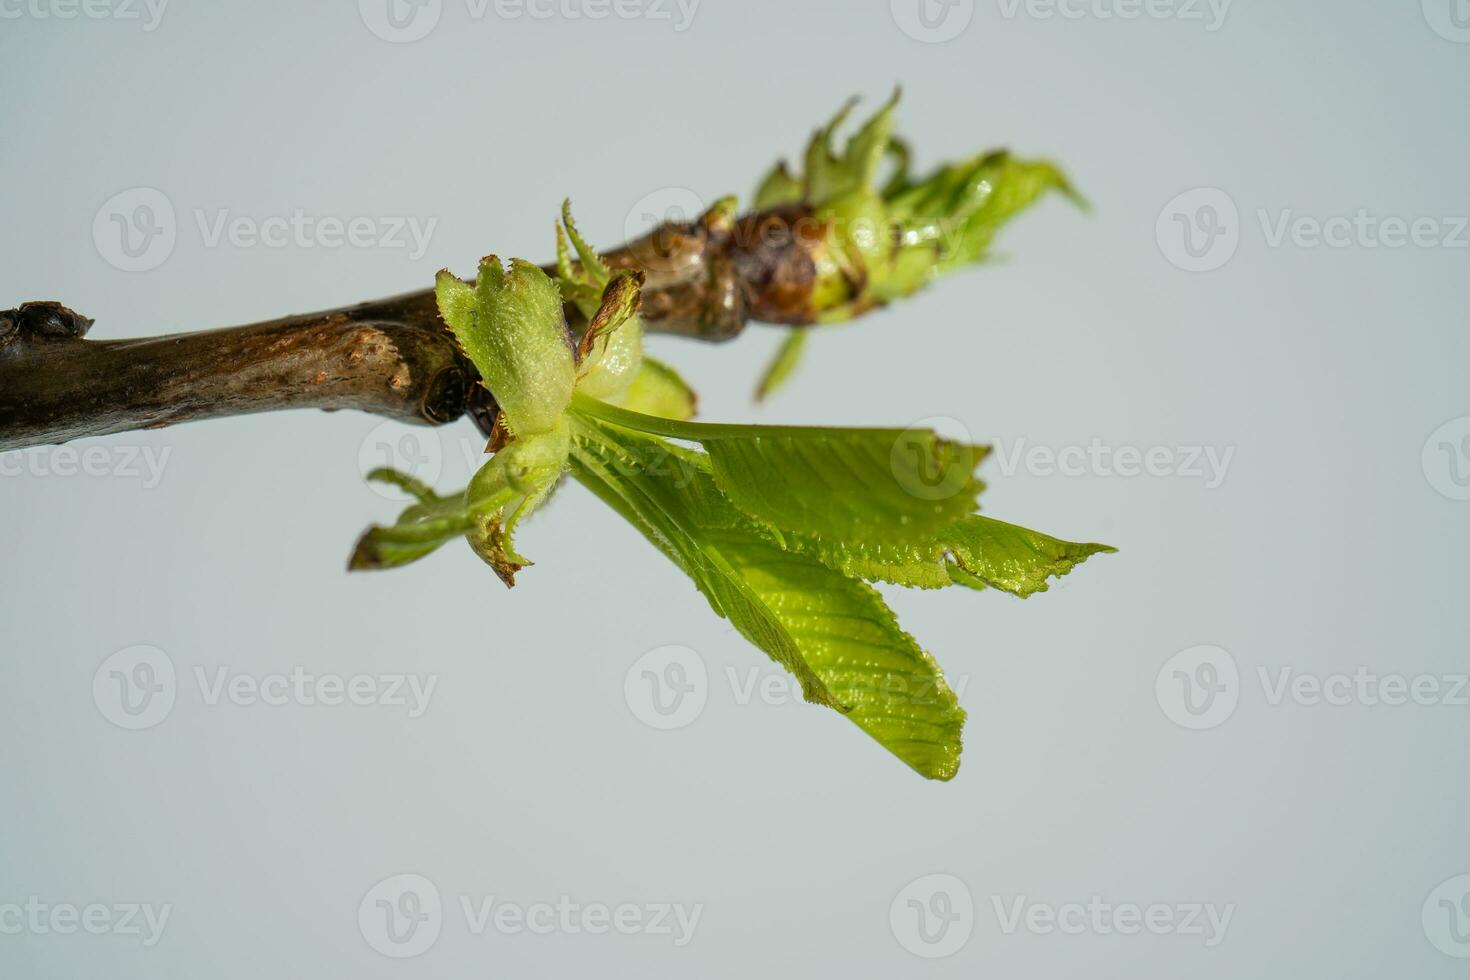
x: 976, y: 551
x: 594, y: 269
x: 663, y: 493
x: 835, y: 634
x: 519, y: 478
x: 777, y: 188
x: 890, y: 486
x: 420, y: 530
x: 510, y: 326
x: 887, y: 238
x: 611, y: 350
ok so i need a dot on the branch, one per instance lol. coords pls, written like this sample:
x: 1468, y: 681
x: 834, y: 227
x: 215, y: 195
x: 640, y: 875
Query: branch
x: 705, y: 279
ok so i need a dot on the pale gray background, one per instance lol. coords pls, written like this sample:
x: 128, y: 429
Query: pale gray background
x: 1327, y: 547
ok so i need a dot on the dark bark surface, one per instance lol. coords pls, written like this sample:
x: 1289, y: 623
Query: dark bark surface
x: 394, y: 357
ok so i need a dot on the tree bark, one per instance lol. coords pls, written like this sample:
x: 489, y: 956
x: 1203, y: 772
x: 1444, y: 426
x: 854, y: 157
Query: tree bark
x: 704, y: 279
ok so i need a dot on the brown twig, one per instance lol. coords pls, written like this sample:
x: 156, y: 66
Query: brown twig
x: 705, y: 279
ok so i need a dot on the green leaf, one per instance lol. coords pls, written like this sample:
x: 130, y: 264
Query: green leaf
x: 657, y: 389
x: 885, y: 485
x: 575, y: 288
x: 835, y: 634
x: 611, y: 349
x: 1011, y: 558
x: 976, y: 551
x: 950, y: 218
x: 665, y: 494
x: 420, y: 530
x: 783, y: 365
x: 894, y: 690
x: 777, y: 188
x: 888, y: 486
x: 510, y: 326
x: 831, y: 175
x: 519, y: 478
x: 594, y: 269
